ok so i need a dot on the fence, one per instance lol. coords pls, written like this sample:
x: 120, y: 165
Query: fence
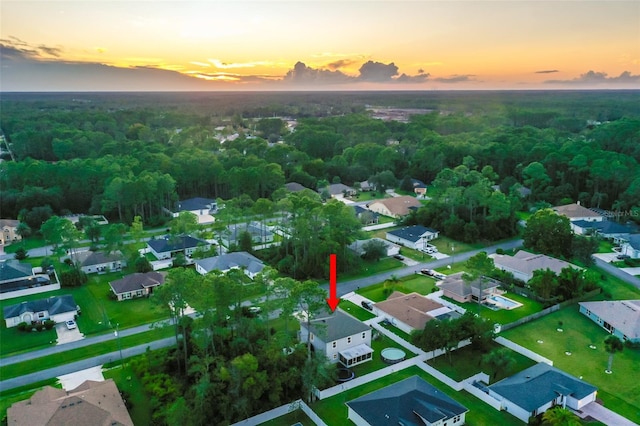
x: 522, y: 350
x: 281, y: 411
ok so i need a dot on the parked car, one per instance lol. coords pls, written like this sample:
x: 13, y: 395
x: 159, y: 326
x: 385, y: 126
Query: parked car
x: 71, y: 324
x: 367, y: 305
x: 623, y: 256
x: 428, y: 272
x: 398, y: 256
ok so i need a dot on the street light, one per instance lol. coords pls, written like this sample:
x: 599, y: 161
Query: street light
x: 453, y: 249
x: 115, y: 333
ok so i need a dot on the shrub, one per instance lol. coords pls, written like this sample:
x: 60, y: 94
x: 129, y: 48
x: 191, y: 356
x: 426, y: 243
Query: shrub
x: 73, y: 278
x: 39, y: 327
x: 22, y: 326
x: 48, y: 324
x: 499, y: 251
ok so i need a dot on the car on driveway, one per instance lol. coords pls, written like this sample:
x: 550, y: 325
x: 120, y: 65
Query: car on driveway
x: 71, y: 324
x: 428, y: 272
x: 367, y: 305
x: 398, y: 256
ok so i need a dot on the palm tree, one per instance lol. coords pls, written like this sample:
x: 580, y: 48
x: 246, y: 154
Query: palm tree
x: 612, y: 344
x: 559, y: 416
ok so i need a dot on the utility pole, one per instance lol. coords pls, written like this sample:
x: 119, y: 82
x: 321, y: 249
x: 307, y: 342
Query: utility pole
x: 118, y: 338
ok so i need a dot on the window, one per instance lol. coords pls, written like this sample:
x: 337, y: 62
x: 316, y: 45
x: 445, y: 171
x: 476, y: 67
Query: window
x: 363, y: 334
x: 40, y: 314
x: 334, y: 344
x: 348, y: 339
x: 335, y: 356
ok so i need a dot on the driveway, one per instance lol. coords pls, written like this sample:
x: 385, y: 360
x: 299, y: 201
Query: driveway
x: 604, y: 415
x: 607, y: 257
x: 67, y: 336
x: 73, y: 380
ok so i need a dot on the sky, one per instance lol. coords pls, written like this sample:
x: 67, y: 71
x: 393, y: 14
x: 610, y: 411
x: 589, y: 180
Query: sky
x: 122, y: 45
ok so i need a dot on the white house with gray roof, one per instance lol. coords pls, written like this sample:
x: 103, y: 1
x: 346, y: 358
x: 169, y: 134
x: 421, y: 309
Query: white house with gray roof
x: 358, y: 246
x: 631, y: 246
x: 339, y: 336
x: 203, y: 208
x: 416, y: 237
x: 99, y: 262
x: 523, y: 263
x: 619, y: 317
x: 540, y: 387
x: 250, y: 264
x: 57, y: 309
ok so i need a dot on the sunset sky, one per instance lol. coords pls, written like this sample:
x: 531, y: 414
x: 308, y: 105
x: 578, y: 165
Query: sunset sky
x: 323, y: 45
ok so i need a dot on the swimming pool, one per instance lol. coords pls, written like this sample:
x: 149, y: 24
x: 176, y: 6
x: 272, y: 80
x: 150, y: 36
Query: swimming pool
x: 504, y: 302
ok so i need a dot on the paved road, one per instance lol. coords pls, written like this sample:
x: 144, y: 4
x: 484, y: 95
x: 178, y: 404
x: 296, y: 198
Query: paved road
x: 84, y: 364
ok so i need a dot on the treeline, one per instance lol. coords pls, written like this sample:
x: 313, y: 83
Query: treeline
x: 122, y: 159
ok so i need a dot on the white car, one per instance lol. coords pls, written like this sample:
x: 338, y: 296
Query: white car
x: 71, y: 324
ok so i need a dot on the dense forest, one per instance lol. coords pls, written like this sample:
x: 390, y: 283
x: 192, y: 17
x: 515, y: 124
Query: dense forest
x: 123, y: 154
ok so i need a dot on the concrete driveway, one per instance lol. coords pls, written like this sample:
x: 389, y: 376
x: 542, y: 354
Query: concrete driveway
x: 66, y: 336
x: 607, y: 257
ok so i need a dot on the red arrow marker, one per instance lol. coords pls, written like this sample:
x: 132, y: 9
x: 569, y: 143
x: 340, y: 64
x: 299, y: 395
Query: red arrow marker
x: 333, y: 299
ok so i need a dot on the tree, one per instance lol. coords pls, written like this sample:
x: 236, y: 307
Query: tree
x: 583, y: 247
x: 23, y: 230
x: 479, y: 267
x: 559, y: 416
x: 21, y: 254
x: 185, y: 224
x: 499, y: 360
x: 114, y: 236
x: 544, y: 283
x: 92, y: 231
x: 60, y: 233
x: 549, y: 233
x: 245, y: 241
x: 374, y: 250
x: 612, y: 344
x: 141, y: 264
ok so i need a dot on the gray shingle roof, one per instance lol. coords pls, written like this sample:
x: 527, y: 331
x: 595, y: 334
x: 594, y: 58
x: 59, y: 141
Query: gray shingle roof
x: 90, y: 258
x: 623, y: 315
x: 336, y: 326
x: 539, y: 385
x: 412, y: 233
x: 231, y: 260
x: 404, y: 403
x: 634, y: 241
x: 12, y: 270
x: 161, y: 245
x: 137, y: 281
x: 55, y: 305
x: 197, y: 203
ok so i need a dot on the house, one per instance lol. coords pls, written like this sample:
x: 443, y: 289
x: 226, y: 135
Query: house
x: 607, y: 229
x: 540, y: 387
x: 416, y: 237
x: 631, y: 246
x: 57, y: 309
x: 339, y: 336
x: 339, y: 190
x: 577, y: 212
x: 9, y: 234
x: 619, y: 317
x: 391, y: 248
x: 454, y: 287
x: 411, y: 311
x: 203, y: 208
x: 367, y: 217
x: 395, y: 207
x: 260, y: 233
x: 97, y: 261
x: 20, y: 279
x: 366, y: 186
x: 410, y: 402
x: 136, y: 285
x: 98, y: 218
x: 91, y: 403
x: 419, y: 187
x: 167, y: 247
x: 251, y: 265
x: 523, y: 263
x: 294, y: 187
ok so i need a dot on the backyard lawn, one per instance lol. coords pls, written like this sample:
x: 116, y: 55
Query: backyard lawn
x: 419, y: 283
x: 466, y: 362
x: 294, y: 417
x: 377, y: 363
x: 357, y: 311
x: 620, y: 391
x: 334, y: 411
x: 503, y: 316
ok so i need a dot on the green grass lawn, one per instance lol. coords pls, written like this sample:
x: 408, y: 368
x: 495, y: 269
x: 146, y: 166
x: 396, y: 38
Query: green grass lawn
x: 376, y: 363
x: 605, y: 246
x: 357, y: 311
x: 395, y: 330
x: 620, y: 391
x: 371, y: 268
x: 43, y: 363
x: 466, y: 362
x: 614, y: 287
x: 334, y: 411
x: 131, y: 386
x: 294, y: 417
x: 15, y: 342
x: 27, y: 244
x: 503, y: 316
x: 412, y: 283
x: 8, y: 398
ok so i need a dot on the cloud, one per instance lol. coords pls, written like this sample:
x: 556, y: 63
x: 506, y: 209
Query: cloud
x: 225, y: 65
x: 455, y: 78
x: 377, y: 72
x: 302, y: 74
x: 595, y: 78
x: 341, y: 63
x: 546, y: 71
x: 420, y: 78
x: 16, y: 49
